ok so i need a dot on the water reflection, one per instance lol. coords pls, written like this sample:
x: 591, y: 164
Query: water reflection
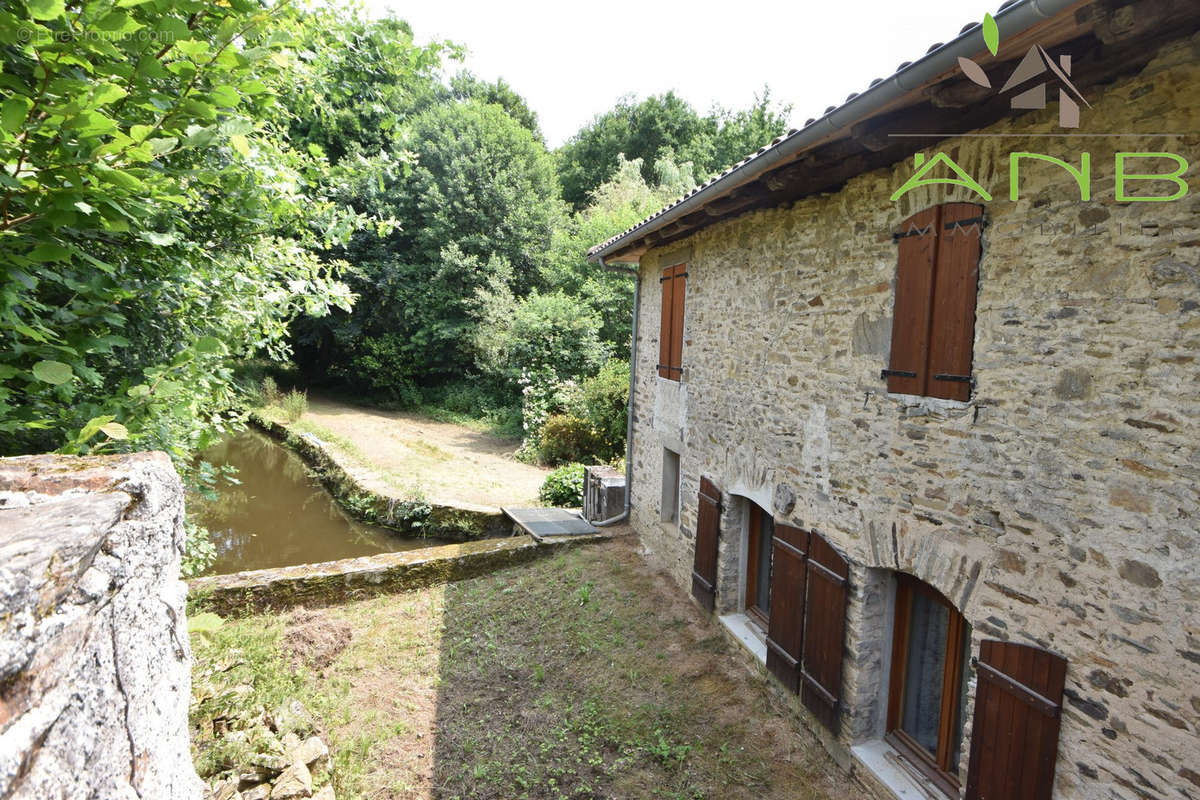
x: 278, y: 515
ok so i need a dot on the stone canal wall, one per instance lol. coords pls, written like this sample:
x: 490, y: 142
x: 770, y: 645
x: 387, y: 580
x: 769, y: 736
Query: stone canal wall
x: 94, y: 656
x: 410, y: 516
x: 349, y: 579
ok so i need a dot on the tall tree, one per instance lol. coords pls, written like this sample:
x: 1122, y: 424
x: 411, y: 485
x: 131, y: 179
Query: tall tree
x: 663, y: 127
x: 479, y: 205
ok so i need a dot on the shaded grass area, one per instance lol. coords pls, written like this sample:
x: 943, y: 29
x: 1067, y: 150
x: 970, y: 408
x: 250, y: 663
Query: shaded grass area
x: 582, y: 675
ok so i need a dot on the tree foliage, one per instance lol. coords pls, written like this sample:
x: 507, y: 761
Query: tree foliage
x: 663, y: 126
x: 152, y: 224
x: 186, y: 184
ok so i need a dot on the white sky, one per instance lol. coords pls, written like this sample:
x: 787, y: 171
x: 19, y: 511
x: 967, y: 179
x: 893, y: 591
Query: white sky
x: 571, y: 60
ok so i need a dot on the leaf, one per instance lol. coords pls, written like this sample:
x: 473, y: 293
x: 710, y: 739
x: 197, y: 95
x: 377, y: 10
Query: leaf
x: 13, y: 112
x: 45, y: 9
x: 991, y: 34
x: 192, y: 48
x: 974, y: 72
x: 239, y: 143
x: 209, y: 344
x: 204, y: 622
x: 52, y: 372
x: 226, y: 95
x: 107, y: 93
x: 159, y: 239
x: 162, y: 145
x: 118, y: 22
x: 48, y: 251
x: 115, y: 430
x: 233, y: 127
x: 92, y: 428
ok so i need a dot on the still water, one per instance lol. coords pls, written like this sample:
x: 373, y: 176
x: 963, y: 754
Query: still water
x: 278, y: 516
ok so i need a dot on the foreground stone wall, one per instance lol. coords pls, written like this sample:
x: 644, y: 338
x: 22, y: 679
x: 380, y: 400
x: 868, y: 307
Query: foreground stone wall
x: 94, y: 655
x: 1058, y: 507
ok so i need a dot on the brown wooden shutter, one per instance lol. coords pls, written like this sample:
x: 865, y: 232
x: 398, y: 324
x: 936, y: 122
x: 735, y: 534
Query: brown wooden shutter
x: 1014, y: 736
x: 952, y: 330
x: 785, y: 634
x: 914, y: 291
x: 677, y: 297
x: 708, y: 528
x: 824, y: 632
x: 667, y: 283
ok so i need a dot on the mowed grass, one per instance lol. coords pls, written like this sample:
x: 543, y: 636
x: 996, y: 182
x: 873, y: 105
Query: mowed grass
x: 581, y: 675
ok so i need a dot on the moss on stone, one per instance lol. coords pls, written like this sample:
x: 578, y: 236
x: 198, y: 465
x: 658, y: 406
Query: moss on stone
x: 332, y: 582
x: 408, y: 515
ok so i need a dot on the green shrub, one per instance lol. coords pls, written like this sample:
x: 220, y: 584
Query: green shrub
x: 603, y: 400
x: 563, y: 487
x: 552, y: 334
x: 294, y: 404
x: 269, y: 389
x: 567, y: 439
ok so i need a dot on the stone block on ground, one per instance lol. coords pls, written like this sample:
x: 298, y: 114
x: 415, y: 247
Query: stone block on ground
x: 296, y: 781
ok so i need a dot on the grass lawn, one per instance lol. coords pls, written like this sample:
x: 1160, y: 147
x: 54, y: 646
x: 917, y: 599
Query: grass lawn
x: 581, y: 675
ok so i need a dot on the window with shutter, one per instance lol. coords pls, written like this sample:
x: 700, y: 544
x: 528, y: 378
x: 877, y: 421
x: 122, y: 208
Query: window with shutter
x: 926, y: 700
x: 670, y: 338
x: 933, y: 322
x: 704, y: 565
x: 824, y: 632
x: 1014, y: 736
x: 785, y: 631
x: 758, y: 565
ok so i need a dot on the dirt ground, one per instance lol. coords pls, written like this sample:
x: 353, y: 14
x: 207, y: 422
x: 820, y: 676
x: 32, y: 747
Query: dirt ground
x: 581, y: 675
x: 406, y: 453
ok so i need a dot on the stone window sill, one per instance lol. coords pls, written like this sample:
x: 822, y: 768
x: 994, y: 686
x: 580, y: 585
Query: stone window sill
x: 893, y: 770
x: 748, y: 634
x: 915, y: 405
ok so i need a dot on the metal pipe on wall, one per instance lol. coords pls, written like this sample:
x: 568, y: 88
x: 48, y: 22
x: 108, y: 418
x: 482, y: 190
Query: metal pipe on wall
x: 637, y: 302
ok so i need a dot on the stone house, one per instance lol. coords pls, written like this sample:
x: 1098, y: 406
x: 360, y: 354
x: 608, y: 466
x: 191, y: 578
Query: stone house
x: 932, y: 454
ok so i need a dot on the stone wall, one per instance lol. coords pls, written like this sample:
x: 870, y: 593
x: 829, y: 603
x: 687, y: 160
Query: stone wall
x: 366, y: 498
x: 1058, y: 507
x: 94, y: 657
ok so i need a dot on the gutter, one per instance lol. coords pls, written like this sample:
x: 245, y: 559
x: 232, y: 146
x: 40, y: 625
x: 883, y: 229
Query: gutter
x: 1010, y: 21
x: 637, y: 302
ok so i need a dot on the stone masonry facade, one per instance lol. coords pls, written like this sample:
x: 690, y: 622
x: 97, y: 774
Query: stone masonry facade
x: 1060, y: 506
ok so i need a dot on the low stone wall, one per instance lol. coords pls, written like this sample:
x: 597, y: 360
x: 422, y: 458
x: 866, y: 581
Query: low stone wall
x: 349, y: 579
x: 462, y: 522
x: 94, y: 657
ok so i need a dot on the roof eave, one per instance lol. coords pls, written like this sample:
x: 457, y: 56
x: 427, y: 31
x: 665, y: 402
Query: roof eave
x: 1010, y: 21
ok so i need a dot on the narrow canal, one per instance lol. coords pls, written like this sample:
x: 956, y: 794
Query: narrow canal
x: 277, y: 515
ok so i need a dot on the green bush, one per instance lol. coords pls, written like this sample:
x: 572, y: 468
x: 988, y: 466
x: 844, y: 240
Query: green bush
x: 550, y: 334
x: 565, y: 438
x: 563, y: 487
x: 294, y: 404
x: 269, y: 389
x: 603, y: 400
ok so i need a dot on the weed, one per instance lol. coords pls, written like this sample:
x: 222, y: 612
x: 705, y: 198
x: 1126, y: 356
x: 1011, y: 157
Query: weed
x: 269, y: 390
x: 294, y: 405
